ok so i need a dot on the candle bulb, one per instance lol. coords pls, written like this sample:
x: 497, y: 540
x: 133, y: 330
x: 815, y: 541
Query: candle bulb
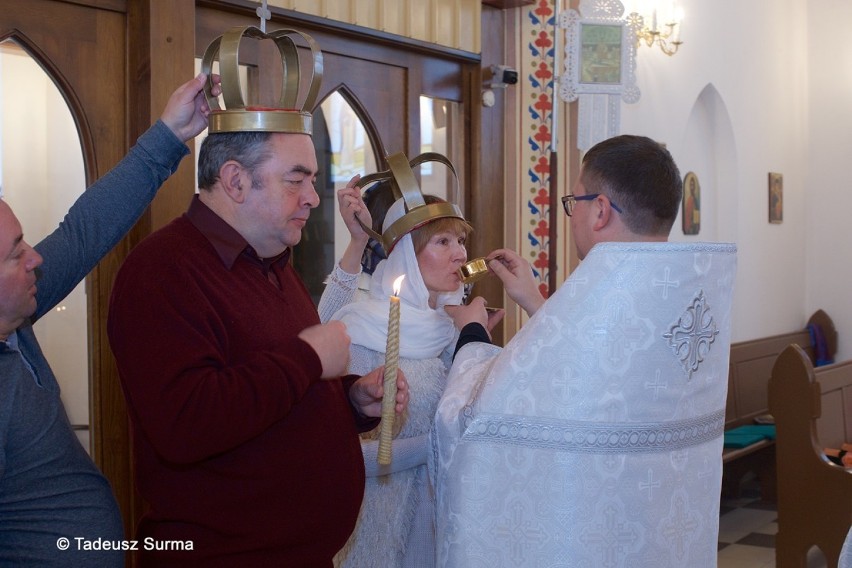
x: 678, y: 22
x: 391, y: 366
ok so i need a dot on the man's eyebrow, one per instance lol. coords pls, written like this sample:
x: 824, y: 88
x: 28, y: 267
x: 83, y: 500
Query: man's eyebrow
x: 299, y: 169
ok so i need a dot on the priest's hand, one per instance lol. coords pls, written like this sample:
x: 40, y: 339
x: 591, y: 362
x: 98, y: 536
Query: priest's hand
x: 517, y: 276
x: 366, y: 393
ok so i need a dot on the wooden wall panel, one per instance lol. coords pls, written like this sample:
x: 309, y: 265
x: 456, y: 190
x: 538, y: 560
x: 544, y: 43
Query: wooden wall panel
x: 303, y: 6
x: 420, y: 21
x: 470, y: 26
x: 338, y: 10
x: 435, y: 21
x: 445, y: 22
x: 395, y: 18
x: 368, y: 13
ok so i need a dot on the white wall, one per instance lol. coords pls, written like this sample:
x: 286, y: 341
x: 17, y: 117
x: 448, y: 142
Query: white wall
x: 735, y: 103
x: 828, y: 185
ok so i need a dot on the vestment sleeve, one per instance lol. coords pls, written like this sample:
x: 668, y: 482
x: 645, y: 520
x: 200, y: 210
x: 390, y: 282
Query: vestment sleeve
x: 471, y: 333
x: 406, y: 453
x: 104, y: 213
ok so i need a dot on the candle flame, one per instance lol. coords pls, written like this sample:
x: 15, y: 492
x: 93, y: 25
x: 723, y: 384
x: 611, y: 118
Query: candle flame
x: 397, y: 285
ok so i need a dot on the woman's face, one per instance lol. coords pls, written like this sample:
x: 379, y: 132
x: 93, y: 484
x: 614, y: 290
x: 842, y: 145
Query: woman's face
x: 440, y: 260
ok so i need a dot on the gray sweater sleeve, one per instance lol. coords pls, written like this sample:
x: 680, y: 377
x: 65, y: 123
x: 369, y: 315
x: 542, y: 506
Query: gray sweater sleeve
x: 104, y: 213
x: 406, y: 453
x: 340, y: 288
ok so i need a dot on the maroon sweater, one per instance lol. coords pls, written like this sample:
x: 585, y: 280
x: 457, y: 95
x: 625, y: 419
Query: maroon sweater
x: 239, y: 446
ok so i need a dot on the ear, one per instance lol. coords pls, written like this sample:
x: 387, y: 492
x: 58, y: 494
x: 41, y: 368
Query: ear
x: 603, y: 213
x: 235, y: 180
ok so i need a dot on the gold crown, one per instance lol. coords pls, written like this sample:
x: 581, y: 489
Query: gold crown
x: 404, y: 185
x: 289, y: 115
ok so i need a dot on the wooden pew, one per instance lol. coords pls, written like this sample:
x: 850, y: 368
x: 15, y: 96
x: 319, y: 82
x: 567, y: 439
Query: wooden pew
x: 748, y: 379
x: 813, y: 410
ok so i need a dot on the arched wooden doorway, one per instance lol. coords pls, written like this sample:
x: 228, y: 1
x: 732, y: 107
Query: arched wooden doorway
x: 69, y: 41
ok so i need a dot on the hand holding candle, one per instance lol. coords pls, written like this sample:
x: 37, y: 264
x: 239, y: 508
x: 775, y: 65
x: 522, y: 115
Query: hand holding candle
x: 391, y: 366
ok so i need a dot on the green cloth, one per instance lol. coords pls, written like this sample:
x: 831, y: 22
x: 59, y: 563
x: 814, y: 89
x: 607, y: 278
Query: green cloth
x: 748, y: 435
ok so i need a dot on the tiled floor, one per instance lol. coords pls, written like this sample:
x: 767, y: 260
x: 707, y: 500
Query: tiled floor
x: 747, y: 528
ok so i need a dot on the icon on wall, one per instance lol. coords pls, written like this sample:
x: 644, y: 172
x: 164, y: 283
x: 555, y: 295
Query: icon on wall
x: 691, y: 214
x: 776, y: 197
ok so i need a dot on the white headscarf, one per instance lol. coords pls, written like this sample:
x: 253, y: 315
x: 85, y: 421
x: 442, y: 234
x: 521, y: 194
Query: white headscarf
x: 424, y: 332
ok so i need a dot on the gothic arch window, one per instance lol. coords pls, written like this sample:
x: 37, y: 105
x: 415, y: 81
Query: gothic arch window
x: 346, y: 144
x: 42, y: 172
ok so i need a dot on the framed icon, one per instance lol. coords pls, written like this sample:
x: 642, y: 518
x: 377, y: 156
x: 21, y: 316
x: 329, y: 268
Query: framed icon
x: 776, y: 197
x: 691, y: 211
x: 600, y: 54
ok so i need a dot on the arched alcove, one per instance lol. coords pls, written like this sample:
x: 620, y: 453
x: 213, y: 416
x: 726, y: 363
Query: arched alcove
x: 346, y: 144
x: 709, y: 150
x: 816, y: 557
x: 42, y: 172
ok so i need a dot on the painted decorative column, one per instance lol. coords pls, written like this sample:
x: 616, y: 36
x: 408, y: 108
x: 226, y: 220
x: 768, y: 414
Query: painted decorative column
x: 529, y: 228
x: 537, y: 52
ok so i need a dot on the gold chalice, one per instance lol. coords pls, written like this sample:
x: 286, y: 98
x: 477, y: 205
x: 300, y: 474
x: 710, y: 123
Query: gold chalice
x: 473, y: 270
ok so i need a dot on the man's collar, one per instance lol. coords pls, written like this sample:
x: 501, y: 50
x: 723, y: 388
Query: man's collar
x: 227, y: 241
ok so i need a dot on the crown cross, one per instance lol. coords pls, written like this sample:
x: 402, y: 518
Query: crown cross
x: 264, y: 14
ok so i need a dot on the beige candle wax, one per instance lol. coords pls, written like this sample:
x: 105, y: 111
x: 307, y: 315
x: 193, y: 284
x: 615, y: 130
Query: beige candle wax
x: 391, y: 366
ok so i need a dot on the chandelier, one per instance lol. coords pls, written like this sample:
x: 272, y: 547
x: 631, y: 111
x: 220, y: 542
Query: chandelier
x: 664, y: 30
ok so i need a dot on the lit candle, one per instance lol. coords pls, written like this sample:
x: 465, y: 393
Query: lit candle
x: 391, y: 366
x: 678, y: 22
x: 654, y: 20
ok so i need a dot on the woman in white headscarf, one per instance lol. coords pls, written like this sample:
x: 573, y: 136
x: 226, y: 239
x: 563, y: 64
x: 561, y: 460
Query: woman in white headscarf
x: 396, y: 525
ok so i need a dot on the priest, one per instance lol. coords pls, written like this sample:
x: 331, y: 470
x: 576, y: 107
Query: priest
x: 594, y: 438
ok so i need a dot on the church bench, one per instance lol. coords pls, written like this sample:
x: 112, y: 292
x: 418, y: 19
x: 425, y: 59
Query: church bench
x: 748, y: 378
x: 813, y: 410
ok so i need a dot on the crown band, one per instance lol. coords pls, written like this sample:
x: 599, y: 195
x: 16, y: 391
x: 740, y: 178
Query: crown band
x: 416, y: 218
x: 260, y: 121
x: 405, y: 186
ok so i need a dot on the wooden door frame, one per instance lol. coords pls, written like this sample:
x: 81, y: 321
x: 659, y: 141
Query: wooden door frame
x: 160, y: 47
x: 488, y: 188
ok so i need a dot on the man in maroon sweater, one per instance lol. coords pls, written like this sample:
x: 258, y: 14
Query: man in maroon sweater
x: 243, y: 451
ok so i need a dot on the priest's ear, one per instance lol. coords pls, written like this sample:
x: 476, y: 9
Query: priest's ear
x: 602, y: 210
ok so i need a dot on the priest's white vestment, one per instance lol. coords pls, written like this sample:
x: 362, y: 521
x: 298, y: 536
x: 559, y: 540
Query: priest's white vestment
x: 594, y: 438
